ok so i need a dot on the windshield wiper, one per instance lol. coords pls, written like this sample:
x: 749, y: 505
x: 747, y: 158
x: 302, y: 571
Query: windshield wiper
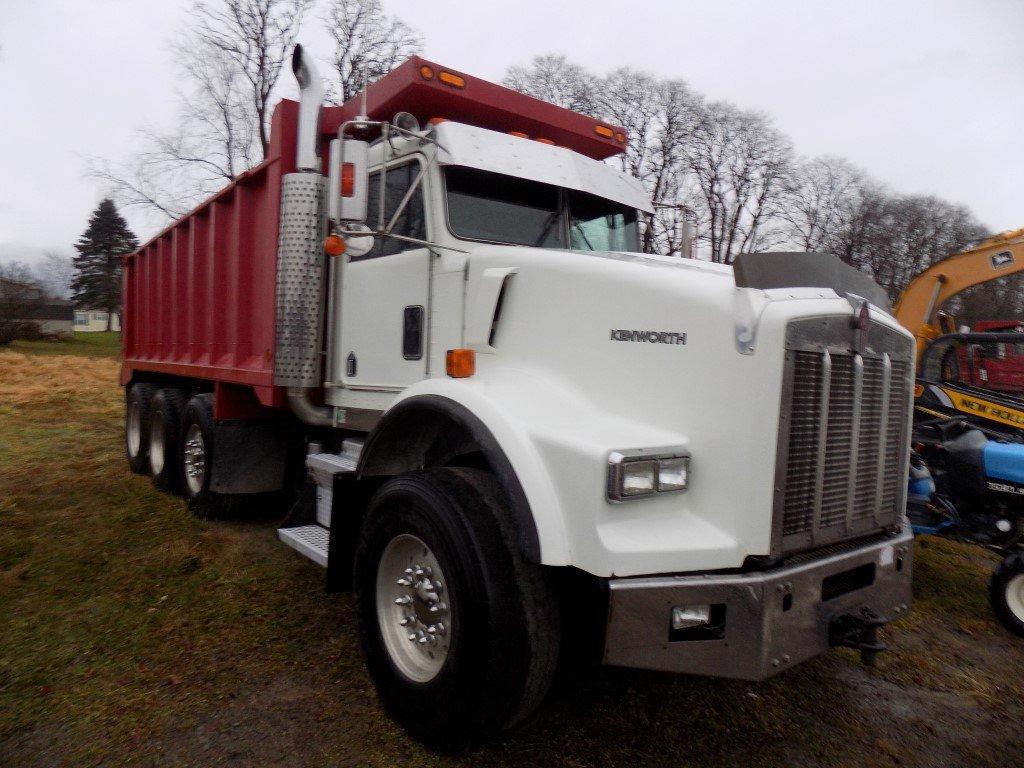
x: 555, y: 216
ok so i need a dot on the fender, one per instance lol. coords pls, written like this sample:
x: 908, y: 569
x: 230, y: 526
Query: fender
x: 519, y: 469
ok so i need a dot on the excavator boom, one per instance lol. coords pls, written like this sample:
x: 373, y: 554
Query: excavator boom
x: 991, y: 259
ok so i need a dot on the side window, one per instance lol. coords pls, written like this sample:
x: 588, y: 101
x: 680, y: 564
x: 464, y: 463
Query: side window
x: 410, y: 224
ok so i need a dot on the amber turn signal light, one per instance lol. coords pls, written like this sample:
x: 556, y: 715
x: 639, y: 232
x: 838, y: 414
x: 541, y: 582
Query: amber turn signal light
x: 334, y: 245
x: 460, y: 363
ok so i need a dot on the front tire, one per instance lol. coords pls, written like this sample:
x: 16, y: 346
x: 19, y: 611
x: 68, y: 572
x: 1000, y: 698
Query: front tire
x: 1006, y: 593
x: 136, y: 426
x: 165, y: 439
x: 461, y: 636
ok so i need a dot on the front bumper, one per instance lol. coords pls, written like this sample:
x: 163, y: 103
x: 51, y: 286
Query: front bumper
x: 772, y: 619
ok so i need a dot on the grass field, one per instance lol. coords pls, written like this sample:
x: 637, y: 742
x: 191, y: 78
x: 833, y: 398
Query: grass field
x: 132, y: 634
x: 95, y: 344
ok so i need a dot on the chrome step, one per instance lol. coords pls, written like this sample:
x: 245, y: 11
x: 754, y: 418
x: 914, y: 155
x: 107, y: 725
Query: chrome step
x: 309, y: 540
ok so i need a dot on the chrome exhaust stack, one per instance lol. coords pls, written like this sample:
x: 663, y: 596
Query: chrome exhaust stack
x: 311, y: 98
x: 301, y: 268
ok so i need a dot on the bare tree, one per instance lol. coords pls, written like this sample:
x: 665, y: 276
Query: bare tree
x: 231, y: 57
x: 742, y: 167
x: 256, y: 37
x: 55, y: 273
x: 367, y: 44
x: 553, y: 78
x: 822, y: 191
x: 21, y: 298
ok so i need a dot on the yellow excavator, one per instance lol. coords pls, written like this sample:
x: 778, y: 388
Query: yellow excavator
x: 968, y: 374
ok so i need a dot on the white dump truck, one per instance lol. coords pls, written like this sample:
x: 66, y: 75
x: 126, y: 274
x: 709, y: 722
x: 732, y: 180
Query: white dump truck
x: 519, y: 439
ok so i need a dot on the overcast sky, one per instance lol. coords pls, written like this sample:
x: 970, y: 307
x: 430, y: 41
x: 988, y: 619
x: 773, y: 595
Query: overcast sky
x: 923, y: 94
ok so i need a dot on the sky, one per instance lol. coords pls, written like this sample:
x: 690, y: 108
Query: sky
x: 925, y: 95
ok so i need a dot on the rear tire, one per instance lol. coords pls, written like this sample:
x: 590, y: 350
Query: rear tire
x: 198, y: 446
x: 500, y: 635
x: 1006, y: 593
x: 165, y: 439
x: 136, y: 426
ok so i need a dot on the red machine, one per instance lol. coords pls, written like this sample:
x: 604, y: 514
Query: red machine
x: 199, y: 298
x: 997, y: 366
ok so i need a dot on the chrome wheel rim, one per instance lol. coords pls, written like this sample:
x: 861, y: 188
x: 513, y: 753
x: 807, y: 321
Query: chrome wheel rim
x: 195, y: 460
x: 156, y: 443
x: 1015, y: 596
x: 133, y: 430
x: 412, y: 608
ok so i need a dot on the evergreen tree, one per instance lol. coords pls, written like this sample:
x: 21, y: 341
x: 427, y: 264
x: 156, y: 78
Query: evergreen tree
x: 97, y: 283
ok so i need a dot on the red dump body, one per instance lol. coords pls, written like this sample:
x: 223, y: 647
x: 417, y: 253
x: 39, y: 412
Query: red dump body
x: 199, y: 298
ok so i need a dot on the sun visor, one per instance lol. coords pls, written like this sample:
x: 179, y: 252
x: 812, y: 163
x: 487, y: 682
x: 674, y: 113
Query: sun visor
x: 487, y: 150
x: 806, y: 270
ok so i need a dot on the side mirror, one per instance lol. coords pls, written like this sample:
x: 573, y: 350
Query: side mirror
x: 348, y: 181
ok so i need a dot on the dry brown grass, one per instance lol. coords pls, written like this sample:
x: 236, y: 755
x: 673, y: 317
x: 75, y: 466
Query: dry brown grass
x: 55, y: 379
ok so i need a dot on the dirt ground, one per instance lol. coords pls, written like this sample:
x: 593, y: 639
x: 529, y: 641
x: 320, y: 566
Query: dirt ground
x: 132, y: 634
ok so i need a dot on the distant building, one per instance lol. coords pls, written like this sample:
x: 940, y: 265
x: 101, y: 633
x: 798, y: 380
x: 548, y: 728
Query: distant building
x: 30, y: 304
x: 87, y: 321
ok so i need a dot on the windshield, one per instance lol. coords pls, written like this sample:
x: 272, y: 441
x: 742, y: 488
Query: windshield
x: 505, y: 209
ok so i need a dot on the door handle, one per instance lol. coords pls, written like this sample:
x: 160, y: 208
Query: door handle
x: 412, y: 333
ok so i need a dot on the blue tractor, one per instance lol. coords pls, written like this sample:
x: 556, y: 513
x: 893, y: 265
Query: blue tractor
x: 967, y: 482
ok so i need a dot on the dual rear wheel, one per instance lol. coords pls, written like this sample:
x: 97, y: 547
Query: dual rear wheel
x: 170, y: 437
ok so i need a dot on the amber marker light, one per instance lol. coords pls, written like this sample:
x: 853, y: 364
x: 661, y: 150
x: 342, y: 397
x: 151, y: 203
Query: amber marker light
x: 518, y: 134
x: 453, y: 80
x: 460, y: 363
x: 348, y: 179
x: 334, y: 245
x: 604, y: 130
x: 426, y: 72
x: 545, y: 141
x: 620, y: 137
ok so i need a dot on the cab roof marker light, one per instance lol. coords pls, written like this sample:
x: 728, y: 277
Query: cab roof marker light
x: 426, y: 72
x: 604, y: 130
x: 455, y: 81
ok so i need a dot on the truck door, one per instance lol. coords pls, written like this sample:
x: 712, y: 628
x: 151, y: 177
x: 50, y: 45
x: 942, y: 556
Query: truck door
x: 385, y: 293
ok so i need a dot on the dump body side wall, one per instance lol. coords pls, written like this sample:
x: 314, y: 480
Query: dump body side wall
x: 199, y: 298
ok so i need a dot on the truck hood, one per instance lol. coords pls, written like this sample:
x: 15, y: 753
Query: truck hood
x: 601, y: 352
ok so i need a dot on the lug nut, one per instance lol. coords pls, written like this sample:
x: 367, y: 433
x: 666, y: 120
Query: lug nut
x: 404, y: 582
x: 406, y: 600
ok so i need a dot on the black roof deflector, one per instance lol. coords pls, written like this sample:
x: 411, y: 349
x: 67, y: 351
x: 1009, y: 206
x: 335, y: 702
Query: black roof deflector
x: 807, y: 270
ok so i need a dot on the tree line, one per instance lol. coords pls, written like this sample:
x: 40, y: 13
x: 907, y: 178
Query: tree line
x: 730, y: 171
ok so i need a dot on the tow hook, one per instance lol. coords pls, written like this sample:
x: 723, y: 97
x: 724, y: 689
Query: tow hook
x: 858, y: 632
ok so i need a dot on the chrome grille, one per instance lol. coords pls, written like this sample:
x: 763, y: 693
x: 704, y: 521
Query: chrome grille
x: 841, y: 464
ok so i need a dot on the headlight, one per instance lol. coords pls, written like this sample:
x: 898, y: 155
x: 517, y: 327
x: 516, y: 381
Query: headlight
x: 634, y: 474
